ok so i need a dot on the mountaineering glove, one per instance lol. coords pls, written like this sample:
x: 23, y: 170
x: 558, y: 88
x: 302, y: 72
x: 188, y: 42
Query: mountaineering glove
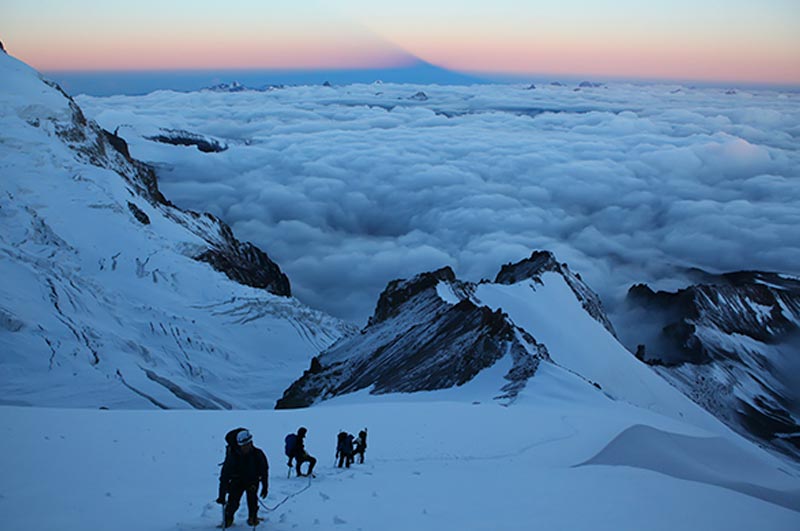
x: 221, y: 500
x: 264, y: 491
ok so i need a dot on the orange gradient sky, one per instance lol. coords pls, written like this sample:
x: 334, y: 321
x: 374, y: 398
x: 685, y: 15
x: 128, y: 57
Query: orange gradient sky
x: 734, y: 40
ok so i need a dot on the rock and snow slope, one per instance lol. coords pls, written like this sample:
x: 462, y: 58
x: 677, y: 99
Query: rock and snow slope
x: 732, y: 343
x: 435, y: 332
x: 113, y: 297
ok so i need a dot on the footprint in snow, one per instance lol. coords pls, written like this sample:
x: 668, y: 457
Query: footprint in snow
x: 324, y: 496
x: 338, y: 521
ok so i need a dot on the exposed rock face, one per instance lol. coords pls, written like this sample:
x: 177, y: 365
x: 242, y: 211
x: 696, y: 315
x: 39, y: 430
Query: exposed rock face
x: 245, y: 263
x: 419, y: 96
x: 732, y: 343
x: 761, y: 306
x: 542, y: 261
x: 179, y: 137
x: 417, y: 341
x: 139, y: 214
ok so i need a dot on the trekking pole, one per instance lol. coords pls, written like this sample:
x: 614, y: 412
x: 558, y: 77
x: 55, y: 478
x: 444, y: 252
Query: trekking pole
x: 224, y: 520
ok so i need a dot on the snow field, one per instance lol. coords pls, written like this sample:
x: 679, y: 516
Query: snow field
x: 431, y: 464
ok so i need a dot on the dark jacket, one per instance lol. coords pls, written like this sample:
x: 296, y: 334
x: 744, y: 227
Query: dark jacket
x: 246, y: 469
x: 299, y: 446
x: 344, y: 444
x: 361, y: 441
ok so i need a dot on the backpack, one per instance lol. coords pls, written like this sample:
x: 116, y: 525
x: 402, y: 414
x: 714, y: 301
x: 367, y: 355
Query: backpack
x: 348, y: 441
x: 341, y: 442
x: 230, y: 439
x: 291, y: 444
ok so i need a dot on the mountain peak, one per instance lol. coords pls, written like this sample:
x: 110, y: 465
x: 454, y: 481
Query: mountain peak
x: 541, y: 262
x: 398, y: 292
x: 529, y: 268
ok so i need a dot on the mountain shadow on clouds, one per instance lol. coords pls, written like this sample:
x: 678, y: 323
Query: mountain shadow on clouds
x: 107, y: 83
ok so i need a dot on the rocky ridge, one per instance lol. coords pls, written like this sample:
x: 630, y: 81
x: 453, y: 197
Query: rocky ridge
x: 732, y: 343
x: 429, y: 332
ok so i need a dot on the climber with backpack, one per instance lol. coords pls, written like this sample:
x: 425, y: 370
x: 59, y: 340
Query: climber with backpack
x: 296, y: 449
x: 361, y: 445
x: 344, y: 449
x: 244, y: 468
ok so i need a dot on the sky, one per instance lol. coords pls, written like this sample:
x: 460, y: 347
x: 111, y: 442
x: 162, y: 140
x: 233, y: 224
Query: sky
x: 738, y: 40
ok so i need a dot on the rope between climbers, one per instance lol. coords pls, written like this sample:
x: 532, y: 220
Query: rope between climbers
x: 287, y: 498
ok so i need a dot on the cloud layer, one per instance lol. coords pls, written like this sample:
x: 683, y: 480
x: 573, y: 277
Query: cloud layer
x: 350, y: 187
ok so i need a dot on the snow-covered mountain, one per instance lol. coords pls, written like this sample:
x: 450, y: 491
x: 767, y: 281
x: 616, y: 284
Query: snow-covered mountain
x: 436, y: 332
x: 112, y: 296
x: 732, y: 343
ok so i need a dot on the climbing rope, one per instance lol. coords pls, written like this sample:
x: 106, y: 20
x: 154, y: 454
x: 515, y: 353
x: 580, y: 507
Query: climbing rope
x: 287, y: 498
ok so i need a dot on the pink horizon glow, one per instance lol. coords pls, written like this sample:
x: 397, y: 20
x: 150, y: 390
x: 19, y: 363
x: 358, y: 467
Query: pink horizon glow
x: 543, y: 54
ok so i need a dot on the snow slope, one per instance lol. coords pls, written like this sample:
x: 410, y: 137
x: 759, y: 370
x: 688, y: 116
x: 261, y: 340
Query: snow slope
x: 549, y: 311
x: 108, y: 298
x: 563, y: 457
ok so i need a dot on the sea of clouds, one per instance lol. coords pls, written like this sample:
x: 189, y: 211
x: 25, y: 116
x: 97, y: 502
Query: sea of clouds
x: 348, y: 187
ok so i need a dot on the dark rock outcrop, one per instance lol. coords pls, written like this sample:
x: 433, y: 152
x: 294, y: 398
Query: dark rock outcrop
x: 419, y: 96
x: 139, y: 214
x: 245, y: 263
x: 179, y: 137
x: 761, y: 306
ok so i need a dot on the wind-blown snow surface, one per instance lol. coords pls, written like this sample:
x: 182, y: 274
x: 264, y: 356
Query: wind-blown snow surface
x: 352, y: 186
x: 101, y: 301
x: 563, y: 457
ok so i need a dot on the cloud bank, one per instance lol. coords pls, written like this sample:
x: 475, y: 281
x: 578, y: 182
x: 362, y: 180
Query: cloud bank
x: 350, y: 187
